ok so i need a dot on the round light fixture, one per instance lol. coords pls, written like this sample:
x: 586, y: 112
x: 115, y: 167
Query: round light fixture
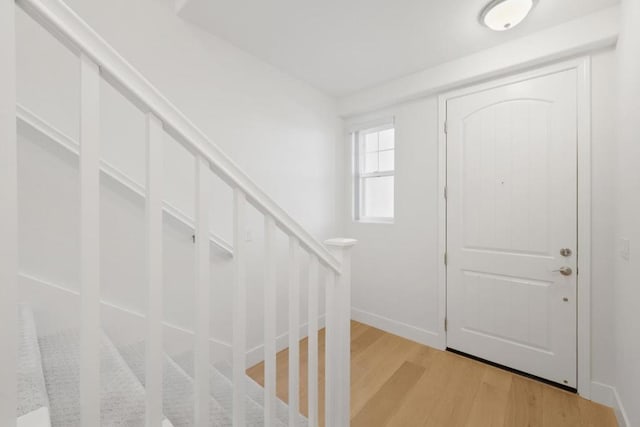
x: 502, y: 15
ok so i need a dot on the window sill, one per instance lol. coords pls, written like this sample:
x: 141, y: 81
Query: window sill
x: 383, y: 221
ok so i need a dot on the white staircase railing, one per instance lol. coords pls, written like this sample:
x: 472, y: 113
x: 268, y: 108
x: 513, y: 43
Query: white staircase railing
x: 99, y: 61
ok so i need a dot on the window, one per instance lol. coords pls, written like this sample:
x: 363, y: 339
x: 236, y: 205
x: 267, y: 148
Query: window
x: 374, y: 166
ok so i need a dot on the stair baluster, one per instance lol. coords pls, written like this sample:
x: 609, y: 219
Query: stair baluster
x: 239, y: 309
x: 202, y: 294
x: 312, y: 343
x: 153, y: 211
x: 294, y: 331
x: 8, y: 217
x: 270, y: 310
x: 90, y: 331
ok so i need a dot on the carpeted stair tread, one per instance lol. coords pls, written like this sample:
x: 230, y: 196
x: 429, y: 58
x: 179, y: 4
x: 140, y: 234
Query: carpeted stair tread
x: 256, y: 392
x: 122, y: 395
x: 222, y: 390
x: 32, y: 392
x: 178, y: 390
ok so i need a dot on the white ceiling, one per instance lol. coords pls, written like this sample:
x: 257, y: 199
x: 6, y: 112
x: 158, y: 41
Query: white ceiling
x: 342, y: 46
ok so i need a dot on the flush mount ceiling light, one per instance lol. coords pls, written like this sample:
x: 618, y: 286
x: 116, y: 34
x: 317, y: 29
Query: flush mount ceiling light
x: 502, y: 15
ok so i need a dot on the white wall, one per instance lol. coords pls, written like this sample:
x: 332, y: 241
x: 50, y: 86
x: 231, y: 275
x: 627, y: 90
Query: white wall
x: 395, y: 266
x: 603, y: 72
x: 279, y: 130
x: 627, y: 272
x: 395, y: 270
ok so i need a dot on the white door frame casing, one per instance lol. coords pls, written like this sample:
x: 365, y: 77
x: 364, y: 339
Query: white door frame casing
x: 582, y: 66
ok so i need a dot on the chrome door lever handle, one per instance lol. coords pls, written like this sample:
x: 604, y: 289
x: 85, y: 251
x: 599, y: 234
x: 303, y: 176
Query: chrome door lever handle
x: 565, y: 271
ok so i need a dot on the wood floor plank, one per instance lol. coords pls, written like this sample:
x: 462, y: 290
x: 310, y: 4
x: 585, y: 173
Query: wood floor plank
x: 364, y: 340
x: 399, y: 383
x: 423, y: 356
x: 455, y: 401
x: 419, y: 402
x: 560, y: 408
x: 390, y: 354
x: 383, y: 404
x: 525, y: 403
x: 594, y: 415
x: 490, y: 404
x: 357, y: 329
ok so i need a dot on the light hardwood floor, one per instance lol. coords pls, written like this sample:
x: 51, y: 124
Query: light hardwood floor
x: 397, y: 382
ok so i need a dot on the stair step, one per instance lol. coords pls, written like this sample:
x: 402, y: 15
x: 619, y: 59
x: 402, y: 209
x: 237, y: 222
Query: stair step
x: 122, y: 395
x: 222, y: 385
x: 222, y: 390
x: 49, y: 394
x: 33, y: 402
x: 178, y: 390
x: 256, y: 392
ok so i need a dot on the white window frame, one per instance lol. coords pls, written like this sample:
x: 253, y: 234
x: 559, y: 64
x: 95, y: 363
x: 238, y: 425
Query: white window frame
x: 358, y: 177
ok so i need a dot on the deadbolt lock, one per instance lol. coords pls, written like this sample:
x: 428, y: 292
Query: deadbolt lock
x: 565, y: 252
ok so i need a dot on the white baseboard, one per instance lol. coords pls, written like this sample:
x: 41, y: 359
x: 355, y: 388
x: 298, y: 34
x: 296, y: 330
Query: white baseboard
x: 621, y: 414
x: 410, y: 332
x: 608, y: 395
x: 602, y: 393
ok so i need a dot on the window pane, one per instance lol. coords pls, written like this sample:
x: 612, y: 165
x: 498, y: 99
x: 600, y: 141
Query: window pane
x: 386, y: 159
x: 371, y: 142
x: 377, y: 197
x: 370, y: 162
x: 387, y: 139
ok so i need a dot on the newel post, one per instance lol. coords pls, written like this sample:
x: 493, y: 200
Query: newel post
x: 338, y: 336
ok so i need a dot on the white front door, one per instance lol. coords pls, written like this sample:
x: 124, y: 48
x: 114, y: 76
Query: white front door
x: 512, y: 225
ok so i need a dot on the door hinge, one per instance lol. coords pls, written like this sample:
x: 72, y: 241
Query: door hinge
x: 446, y: 324
x: 445, y: 192
x: 446, y: 126
x: 445, y: 258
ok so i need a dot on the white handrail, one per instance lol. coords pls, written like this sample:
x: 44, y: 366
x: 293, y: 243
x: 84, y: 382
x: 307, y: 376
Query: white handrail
x: 73, y: 32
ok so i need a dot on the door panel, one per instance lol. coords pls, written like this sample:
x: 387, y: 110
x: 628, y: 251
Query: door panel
x: 500, y: 165
x: 511, y: 207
